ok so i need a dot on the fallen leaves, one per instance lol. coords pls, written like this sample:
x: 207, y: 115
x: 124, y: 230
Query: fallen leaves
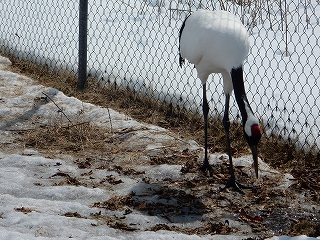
x: 112, y: 180
x: 72, y: 214
x: 116, y: 203
x: 244, y: 216
x: 68, y: 179
x: 24, y: 210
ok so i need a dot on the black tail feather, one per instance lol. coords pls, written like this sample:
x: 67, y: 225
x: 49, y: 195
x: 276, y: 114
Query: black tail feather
x: 181, y: 60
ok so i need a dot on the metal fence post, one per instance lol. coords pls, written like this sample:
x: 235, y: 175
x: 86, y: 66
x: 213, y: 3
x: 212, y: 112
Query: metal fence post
x: 83, y: 23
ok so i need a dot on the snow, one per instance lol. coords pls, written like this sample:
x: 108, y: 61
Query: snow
x: 124, y: 37
x: 33, y: 203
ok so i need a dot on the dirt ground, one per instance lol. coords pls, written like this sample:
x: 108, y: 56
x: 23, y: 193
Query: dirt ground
x: 266, y: 209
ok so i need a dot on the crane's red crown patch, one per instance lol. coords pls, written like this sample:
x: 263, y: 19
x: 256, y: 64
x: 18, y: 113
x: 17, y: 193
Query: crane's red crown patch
x: 256, y: 132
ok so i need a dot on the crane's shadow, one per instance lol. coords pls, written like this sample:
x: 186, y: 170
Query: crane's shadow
x: 173, y: 204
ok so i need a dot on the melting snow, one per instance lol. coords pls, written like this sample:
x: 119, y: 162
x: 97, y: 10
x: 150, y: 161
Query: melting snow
x: 33, y: 203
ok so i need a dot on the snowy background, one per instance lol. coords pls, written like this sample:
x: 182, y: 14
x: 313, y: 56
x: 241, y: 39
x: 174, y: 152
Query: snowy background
x: 135, y: 44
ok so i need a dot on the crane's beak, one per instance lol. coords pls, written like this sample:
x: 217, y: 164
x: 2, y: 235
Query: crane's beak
x: 254, y: 150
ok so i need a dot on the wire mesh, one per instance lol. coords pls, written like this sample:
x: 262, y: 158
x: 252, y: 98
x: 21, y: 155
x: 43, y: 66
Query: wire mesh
x: 134, y: 44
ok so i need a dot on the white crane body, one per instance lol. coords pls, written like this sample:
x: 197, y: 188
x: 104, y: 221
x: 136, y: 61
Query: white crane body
x: 217, y: 42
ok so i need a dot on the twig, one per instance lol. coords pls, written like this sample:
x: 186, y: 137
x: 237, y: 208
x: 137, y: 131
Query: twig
x: 110, y: 120
x: 21, y: 130
x: 127, y: 4
x: 57, y: 106
x: 74, y: 125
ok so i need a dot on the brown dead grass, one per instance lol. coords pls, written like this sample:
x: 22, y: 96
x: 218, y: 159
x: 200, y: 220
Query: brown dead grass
x: 75, y: 137
x: 86, y: 141
x: 305, y: 166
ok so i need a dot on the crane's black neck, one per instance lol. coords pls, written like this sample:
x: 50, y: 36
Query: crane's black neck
x: 240, y: 93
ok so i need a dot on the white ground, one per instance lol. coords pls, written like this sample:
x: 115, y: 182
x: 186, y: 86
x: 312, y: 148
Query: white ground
x: 33, y: 205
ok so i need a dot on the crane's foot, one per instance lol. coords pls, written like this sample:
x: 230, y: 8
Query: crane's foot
x: 238, y: 187
x: 206, y: 167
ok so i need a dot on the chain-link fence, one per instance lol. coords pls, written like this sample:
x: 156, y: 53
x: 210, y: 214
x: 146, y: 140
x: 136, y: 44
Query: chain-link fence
x: 134, y: 44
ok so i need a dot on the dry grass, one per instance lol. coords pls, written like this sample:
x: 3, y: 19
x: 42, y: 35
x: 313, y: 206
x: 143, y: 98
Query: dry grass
x: 89, y: 144
x: 66, y: 137
x: 273, y: 150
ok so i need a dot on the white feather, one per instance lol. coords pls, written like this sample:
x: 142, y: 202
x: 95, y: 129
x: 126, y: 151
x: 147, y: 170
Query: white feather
x: 216, y: 42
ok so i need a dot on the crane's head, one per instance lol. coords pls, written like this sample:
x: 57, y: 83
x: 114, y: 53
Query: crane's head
x: 252, y: 133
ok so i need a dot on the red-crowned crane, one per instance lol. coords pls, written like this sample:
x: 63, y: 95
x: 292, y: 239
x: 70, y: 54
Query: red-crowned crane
x: 217, y: 42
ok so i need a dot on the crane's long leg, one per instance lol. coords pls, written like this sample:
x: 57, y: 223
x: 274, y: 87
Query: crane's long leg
x: 205, y: 109
x: 226, y: 124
